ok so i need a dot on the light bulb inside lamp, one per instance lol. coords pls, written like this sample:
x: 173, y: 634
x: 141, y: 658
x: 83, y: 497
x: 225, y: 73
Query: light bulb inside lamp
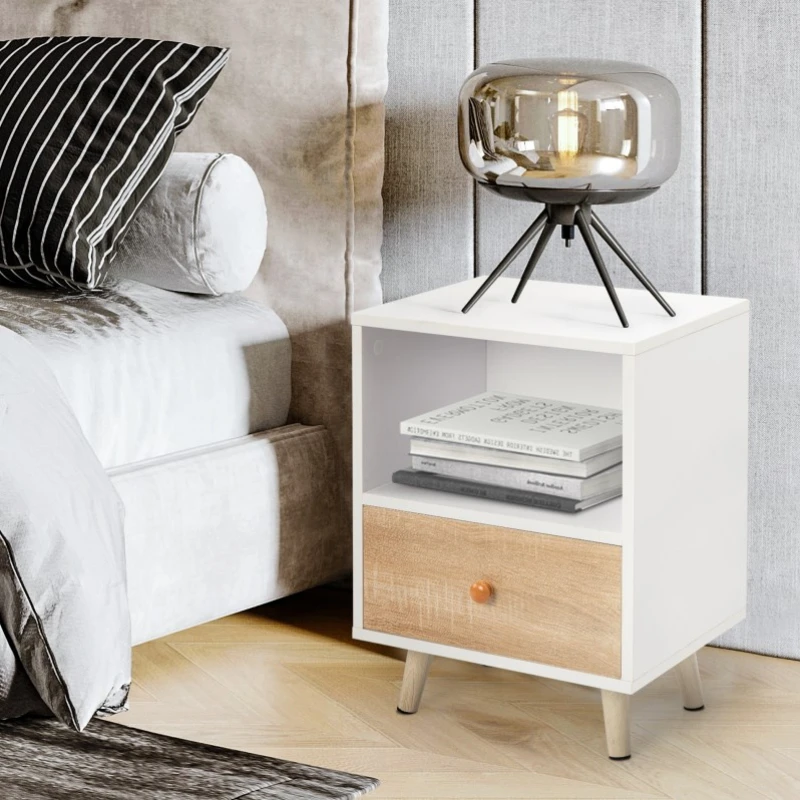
x: 568, y: 128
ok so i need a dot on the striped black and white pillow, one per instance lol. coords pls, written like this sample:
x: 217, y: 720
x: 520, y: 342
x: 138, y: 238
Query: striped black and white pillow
x: 87, y: 125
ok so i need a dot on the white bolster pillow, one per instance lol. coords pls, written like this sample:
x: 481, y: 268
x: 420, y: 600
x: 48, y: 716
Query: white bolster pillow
x: 203, y: 229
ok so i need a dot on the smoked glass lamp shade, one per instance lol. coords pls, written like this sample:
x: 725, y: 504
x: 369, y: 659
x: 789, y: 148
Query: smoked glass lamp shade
x: 569, y: 131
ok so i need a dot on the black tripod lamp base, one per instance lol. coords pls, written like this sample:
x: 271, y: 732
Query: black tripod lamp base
x: 569, y: 217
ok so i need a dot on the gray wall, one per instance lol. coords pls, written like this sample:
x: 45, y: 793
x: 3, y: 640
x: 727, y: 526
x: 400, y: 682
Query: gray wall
x: 428, y: 198
x: 752, y: 243
x: 718, y: 226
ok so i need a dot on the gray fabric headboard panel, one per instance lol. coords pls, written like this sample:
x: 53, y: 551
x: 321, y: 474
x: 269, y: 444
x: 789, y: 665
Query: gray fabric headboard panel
x: 753, y: 242
x: 428, y: 198
x: 439, y: 229
x: 662, y: 232
x: 301, y: 101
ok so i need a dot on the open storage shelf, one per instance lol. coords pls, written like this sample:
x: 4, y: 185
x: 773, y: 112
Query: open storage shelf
x: 405, y: 373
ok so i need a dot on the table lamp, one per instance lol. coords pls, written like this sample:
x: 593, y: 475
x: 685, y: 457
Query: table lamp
x: 573, y: 135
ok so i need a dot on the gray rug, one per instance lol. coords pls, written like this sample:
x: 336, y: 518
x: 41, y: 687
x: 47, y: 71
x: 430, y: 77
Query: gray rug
x: 43, y: 760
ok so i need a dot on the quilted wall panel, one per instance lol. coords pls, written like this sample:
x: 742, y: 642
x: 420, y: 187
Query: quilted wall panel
x: 428, y: 198
x: 661, y: 232
x: 723, y: 226
x: 753, y: 242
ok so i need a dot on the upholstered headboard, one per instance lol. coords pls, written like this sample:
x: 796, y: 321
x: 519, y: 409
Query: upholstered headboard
x: 301, y: 101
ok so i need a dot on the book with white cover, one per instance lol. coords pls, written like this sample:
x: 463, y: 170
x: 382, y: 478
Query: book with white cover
x: 532, y: 425
x: 503, y: 458
x: 542, y: 482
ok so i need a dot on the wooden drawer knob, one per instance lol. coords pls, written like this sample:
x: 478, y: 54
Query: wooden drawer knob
x: 481, y: 591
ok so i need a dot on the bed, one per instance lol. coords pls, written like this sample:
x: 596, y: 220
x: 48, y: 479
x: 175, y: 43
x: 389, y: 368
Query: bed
x: 224, y: 422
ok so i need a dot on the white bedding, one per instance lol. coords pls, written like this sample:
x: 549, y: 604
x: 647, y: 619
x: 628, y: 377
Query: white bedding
x: 65, y: 637
x: 149, y: 372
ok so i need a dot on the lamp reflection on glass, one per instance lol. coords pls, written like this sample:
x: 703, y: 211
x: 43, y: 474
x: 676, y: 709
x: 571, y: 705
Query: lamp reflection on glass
x: 569, y: 134
x: 569, y: 127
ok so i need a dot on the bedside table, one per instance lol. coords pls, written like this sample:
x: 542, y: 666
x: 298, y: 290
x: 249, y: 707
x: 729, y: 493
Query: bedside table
x: 611, y: 597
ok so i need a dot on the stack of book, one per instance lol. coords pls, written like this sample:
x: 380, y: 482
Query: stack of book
x: 526, y: 450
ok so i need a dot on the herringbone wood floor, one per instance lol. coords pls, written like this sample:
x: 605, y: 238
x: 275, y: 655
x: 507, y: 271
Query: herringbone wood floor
x: 287, y: 681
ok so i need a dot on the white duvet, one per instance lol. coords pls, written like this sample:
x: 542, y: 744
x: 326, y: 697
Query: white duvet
x: 149, y: 373
x: 65, y: 639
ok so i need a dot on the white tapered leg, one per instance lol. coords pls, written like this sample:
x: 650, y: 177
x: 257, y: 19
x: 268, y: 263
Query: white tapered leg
x: 689, y: 679
x: 616, y: 714
x: 414, y: 677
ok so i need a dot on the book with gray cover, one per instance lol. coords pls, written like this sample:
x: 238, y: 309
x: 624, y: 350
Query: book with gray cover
x: 542, y: 482
x: 441, y: 483
x: 532, y: 425
x: 456, y: 451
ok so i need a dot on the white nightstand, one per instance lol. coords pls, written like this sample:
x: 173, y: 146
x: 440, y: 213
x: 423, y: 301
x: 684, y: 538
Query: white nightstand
x: 611, y: 597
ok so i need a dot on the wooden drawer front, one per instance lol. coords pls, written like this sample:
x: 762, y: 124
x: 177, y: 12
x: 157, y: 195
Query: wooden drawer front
x: 555, y: 600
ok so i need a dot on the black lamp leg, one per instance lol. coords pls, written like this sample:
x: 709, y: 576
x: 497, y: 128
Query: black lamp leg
x: 521, y: 244
x: 534, y: 259
x: 612, y: 242
x: 586, y: 233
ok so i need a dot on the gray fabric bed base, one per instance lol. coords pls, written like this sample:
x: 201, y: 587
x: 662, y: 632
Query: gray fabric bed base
x: 223, y: 528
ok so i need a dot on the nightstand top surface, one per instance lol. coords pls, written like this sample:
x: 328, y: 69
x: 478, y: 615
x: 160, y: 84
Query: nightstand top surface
x: 550, y: 314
